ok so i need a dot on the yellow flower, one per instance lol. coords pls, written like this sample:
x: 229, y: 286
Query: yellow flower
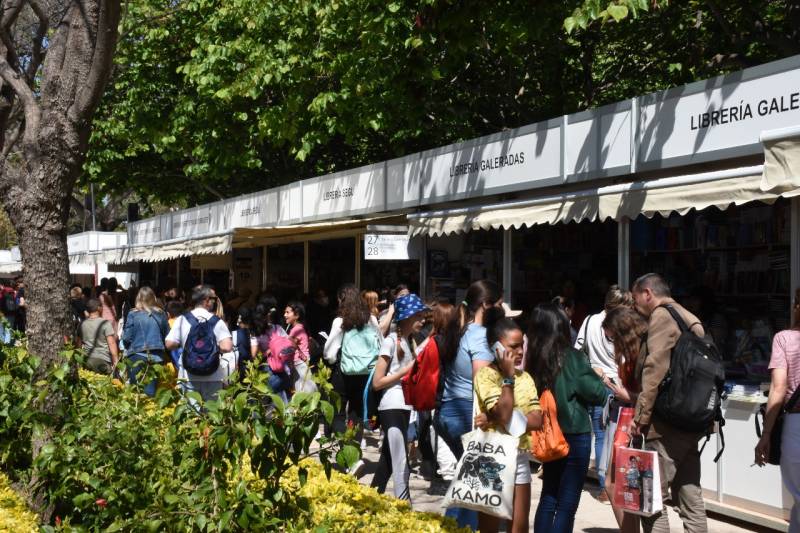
x: 341, y: 504
x: 14, y: 515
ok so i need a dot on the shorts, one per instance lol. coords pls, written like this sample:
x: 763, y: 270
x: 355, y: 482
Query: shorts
x: 523, y: 476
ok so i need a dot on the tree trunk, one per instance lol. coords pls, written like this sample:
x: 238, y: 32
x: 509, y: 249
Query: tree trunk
x: 39, y: 212
x: 46, y: 110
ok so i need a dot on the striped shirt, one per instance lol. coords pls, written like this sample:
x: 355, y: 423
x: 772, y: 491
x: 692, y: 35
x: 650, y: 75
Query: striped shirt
x: 786, y: 355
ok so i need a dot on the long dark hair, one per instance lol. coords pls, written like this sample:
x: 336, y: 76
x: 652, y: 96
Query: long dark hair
x: 548, y: 341
x: 479, y: 293
x: 299, y: 310
x: 352, y: 308
x: 265, y: 314
x: 628, y: 328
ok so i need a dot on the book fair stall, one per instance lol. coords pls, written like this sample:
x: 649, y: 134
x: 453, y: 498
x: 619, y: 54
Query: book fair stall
x: 699, y: 183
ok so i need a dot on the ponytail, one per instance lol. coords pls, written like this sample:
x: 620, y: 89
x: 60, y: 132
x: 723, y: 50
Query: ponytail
x: 479, y: 293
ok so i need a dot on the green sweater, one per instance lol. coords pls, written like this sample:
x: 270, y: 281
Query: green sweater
x: 577, y: 387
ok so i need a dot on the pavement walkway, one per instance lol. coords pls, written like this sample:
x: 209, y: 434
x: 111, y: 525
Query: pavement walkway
x: 592, y: 517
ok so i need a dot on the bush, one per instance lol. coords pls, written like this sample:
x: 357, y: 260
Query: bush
x: 342, y: 505
x: 119, y: 461
x: 14, y: 516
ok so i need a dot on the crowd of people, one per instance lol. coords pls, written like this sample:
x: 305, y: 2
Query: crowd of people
x: 493, y: 367
x: 13, y: 309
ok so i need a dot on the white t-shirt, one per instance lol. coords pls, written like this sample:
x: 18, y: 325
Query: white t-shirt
x: 601, y: 351
x: 180, y: 332
x: 393, y: 396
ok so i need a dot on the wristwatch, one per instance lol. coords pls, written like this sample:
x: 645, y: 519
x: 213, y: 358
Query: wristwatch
x: 508, y: 381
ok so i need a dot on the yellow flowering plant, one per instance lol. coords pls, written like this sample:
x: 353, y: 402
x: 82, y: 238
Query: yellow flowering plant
x: 124, y: 462
x: 14, y: 515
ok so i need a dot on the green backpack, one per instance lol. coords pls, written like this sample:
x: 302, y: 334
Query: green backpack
x: 360, y: 350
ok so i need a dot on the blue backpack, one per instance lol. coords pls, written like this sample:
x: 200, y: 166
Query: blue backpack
x: 201, y: 351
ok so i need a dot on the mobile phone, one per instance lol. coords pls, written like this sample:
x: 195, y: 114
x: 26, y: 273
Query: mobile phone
x: 499, y: 349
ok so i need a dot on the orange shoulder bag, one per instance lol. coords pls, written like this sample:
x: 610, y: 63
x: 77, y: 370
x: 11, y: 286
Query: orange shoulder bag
x: 548, y: 444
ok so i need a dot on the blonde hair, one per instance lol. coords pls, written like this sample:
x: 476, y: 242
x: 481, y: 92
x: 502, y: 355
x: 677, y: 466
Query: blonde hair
x: 371, y: 299
x: 146, y: 301
x: 75, y: 292
x: 618, y: 297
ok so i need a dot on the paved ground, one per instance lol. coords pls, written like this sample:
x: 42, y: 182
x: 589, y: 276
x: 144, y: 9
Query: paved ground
x: 592, y: 517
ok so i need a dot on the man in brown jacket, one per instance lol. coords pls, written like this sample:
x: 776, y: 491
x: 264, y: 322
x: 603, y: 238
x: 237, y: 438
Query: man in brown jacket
x: 677, y: 450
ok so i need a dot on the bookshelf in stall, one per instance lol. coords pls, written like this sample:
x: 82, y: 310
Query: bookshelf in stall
x: 732, y: 264
x: 480, y: 258
x: 545, y: 257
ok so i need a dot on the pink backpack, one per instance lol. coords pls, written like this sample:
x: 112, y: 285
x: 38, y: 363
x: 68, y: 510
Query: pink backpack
x: 281, y: 352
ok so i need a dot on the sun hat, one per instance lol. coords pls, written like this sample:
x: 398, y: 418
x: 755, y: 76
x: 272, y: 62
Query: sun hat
x: 407, y: 306
x: 510, y: 313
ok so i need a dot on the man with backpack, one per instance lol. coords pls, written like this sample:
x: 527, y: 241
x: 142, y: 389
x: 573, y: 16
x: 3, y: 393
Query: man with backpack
x: 675, y: 443
x: 207, y: 359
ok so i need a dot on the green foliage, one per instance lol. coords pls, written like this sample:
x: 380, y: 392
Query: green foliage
x: 240, y: 95
x: 219, y: 97
x: 605, y: 11
x: 123, y: 462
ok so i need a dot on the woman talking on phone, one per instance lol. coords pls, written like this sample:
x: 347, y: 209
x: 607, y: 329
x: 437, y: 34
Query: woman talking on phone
x: 509, y: 403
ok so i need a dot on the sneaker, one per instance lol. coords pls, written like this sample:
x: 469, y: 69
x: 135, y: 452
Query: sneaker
x: 428, y: 470
x: 356, y: 469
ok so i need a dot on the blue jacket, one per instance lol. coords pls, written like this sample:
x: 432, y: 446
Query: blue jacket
x: 144, y: 332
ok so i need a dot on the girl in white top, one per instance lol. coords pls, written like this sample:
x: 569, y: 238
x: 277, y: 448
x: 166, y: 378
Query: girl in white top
x: 396, y: 359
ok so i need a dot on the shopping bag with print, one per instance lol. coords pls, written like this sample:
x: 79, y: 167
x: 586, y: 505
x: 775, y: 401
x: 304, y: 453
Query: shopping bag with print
x: 622, y: 436
x: 638, y: 482
x: 485, y: 474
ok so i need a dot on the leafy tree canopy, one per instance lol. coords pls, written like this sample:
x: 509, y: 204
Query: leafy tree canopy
x: 212, y: 98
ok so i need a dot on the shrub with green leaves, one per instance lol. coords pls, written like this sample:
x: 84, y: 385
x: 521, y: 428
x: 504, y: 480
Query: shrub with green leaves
x: 120, y: 461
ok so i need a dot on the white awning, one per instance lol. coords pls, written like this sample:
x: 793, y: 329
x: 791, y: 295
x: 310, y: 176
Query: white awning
x: 11, y: 269
x: 249, y: 237
x: 782, y: 161
x: 665, y: 195
x: 161, y: 251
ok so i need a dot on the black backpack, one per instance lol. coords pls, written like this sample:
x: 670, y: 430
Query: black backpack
x: 690, y: 397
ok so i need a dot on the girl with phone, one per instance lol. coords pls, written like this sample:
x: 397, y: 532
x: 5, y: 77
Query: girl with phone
x: 508, y: 402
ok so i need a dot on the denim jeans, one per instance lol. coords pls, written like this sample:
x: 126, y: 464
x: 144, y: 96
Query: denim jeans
x: 599, y: 432
x: 138, y: 362
x: 279, y: 381
x: 562, y: 485
x: 453, y: 420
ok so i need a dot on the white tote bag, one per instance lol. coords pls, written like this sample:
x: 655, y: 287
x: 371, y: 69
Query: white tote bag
x: 485, y: 474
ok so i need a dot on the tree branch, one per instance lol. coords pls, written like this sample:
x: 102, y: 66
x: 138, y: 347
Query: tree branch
x: 91, y: 91
x: 13, y: 140
x: 33, y: 112
x: 11, y: 11
x: 36, y: 53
